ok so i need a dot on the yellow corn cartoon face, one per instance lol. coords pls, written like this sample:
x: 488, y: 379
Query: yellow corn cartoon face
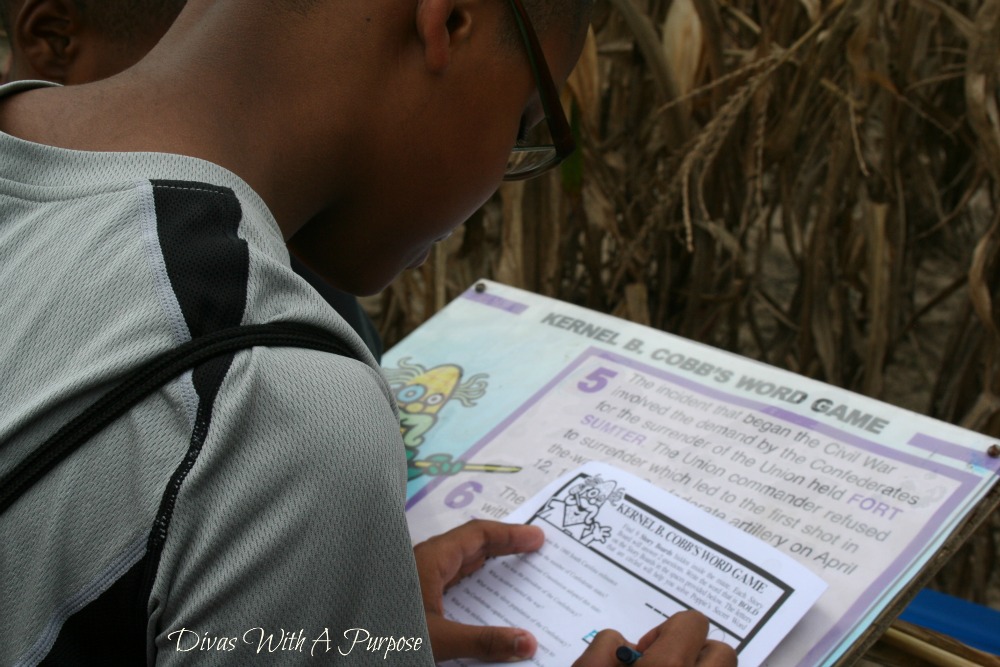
x: 428, y: 392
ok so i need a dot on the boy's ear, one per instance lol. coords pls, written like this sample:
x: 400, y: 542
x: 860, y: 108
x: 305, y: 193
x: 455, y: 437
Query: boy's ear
x: 442, y: 25
x: 47, y: 35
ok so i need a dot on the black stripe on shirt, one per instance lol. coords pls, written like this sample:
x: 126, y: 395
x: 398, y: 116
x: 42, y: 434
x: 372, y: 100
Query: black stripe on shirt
x: 208, y: 266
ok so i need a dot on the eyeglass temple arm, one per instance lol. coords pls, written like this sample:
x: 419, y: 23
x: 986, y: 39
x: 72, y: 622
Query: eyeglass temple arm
x: 562, y: 135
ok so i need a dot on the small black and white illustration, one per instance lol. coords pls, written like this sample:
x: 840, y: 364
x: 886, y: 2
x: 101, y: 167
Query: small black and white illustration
x: 575, y: 509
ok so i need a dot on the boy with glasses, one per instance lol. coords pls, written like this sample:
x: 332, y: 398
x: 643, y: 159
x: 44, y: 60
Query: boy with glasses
x: 155, y: 206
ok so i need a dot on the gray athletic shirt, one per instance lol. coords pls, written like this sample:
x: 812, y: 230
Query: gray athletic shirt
x: 261, y: 495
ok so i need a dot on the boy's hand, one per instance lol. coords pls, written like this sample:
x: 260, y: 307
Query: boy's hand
x: 446, y: 558
x: 680, y: 640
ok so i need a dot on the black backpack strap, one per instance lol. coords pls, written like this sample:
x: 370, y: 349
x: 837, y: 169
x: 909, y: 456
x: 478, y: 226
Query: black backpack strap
x: 146, y: 379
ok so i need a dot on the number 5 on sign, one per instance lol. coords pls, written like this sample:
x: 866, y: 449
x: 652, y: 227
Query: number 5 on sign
x: 596, y: 381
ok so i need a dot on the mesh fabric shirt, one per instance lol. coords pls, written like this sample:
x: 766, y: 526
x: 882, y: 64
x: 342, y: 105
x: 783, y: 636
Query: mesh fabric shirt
x: 254, y: 503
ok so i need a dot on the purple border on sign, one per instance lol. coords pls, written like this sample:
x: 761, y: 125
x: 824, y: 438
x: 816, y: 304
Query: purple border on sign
x: 953, y: 451
x: 868, y: 598
x: 494, y: 301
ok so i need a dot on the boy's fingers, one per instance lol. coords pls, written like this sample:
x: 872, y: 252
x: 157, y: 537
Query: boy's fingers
x: 451, y: 640
x: 686, y: 629
x: 462, y: 550
x: 682, y: 640
x: 480, y: 538
x: 443, y: 560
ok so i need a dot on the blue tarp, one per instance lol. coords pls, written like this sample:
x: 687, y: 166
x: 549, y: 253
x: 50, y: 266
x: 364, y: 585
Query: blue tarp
x: 972, y: 624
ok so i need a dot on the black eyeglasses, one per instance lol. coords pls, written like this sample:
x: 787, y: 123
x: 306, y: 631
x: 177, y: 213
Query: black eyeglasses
x: 533, y: 155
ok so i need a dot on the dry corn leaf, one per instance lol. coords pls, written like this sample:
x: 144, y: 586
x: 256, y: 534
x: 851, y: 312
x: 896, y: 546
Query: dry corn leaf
x: 683, y: 44
x: 644, y: 32
x: 637, y: 300
x: 510, y: 266
x: 980, y: 295
x: 879, y: 306
x: 598, y: 207
x: 584, y: 82
x: 812, y: 8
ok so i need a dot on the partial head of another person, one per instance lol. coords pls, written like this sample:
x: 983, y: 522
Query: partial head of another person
x: 76, y: 41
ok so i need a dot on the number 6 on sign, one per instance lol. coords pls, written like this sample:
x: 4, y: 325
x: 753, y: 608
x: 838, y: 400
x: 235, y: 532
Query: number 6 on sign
x: 596, y: 381
x: 462, y: 495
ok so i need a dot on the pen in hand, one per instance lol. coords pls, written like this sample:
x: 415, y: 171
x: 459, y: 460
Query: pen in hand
x: 627, y: 655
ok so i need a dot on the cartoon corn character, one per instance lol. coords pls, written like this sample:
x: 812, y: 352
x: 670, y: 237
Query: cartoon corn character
x: 421, y: 393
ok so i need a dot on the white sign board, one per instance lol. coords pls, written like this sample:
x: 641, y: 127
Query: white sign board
x: 504, y: 390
